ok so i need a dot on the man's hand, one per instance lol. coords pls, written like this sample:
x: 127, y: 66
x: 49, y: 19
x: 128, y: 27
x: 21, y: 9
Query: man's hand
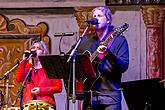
x: 102, y: 49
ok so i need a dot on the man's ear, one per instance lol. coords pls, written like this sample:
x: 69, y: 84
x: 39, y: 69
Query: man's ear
x: 44, y: 51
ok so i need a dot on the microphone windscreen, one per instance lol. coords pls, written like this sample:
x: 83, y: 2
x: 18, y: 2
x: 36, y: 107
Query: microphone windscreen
x: 27, y: 53
x: 34, y: 53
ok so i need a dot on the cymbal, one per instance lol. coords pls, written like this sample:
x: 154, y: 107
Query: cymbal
x: 3, y: 86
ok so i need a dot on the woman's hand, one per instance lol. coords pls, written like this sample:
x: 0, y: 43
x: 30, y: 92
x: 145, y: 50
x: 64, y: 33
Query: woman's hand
x: 26, y: 55
x: 35, y: 90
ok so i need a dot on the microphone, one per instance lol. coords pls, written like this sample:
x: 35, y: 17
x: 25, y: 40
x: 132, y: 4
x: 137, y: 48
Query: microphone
x: 31, y: 53
x: 64, y: 34
x: 93, y: 21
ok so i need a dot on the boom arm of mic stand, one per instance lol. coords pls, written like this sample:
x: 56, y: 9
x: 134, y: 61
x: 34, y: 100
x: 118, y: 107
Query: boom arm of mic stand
x: 73, y: 57
x: 21, y: 91
x: 6, y: 77
x: 8, y: 72
x: 73, y: 51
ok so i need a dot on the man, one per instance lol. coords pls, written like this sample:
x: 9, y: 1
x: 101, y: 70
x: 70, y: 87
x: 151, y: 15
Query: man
x: 109, y: 64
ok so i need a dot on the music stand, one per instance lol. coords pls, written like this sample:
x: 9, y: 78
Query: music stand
x: 146, y: 94
x: 56, y: 66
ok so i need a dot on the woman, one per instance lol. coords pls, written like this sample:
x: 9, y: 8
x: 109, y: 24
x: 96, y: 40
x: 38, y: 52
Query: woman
x: 38, y: 86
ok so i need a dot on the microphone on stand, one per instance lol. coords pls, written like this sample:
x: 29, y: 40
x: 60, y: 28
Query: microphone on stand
x: 64, y: 34
x: 30, y: 54
x: 93, y: 21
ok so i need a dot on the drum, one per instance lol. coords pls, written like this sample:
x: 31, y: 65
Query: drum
x: 13, y: 108
x: 38, y: 105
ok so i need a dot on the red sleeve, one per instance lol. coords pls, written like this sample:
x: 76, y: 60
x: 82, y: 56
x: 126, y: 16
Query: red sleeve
x: 56, y: 87
x: 22, y: 70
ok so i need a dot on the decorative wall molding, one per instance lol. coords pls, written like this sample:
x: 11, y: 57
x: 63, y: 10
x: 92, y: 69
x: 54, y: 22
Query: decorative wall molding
x: 134, y: 2
x: 153, y: 17
x: 48, y: 3
x: 18, y: 26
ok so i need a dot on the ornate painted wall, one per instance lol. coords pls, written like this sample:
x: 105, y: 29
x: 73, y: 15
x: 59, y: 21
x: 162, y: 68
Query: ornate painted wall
x: 59, y: 19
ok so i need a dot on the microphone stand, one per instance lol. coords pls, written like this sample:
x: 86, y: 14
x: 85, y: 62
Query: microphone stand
x: 73, y: 58
x: 6, y: 77
x: 22, y: 90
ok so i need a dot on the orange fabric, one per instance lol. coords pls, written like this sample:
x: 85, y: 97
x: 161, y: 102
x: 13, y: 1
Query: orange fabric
x: 38, y: 79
